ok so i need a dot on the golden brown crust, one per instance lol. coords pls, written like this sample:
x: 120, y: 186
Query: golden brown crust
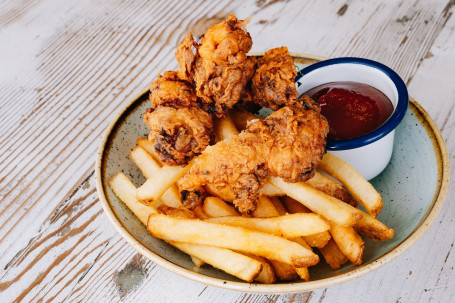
x: 170, y: 90
x: 289, y: 144
x: 300, y: 138
x: 219, y: 68
x: 178, y: 134
x: 273, y: 83
x: 186, y: 56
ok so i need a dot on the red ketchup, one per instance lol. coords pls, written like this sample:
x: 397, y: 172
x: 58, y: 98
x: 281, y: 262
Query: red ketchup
x: 352, y: 109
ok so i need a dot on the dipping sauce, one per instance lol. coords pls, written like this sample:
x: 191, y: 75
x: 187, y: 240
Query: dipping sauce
x: 352, y: 109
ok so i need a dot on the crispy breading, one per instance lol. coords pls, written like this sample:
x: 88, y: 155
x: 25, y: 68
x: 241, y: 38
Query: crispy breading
x: 170, y: 90
x: 219, y: 67
x: 289, y: 143
x: 178, y: 134
x: 300, y: 138
x: 273, y: 83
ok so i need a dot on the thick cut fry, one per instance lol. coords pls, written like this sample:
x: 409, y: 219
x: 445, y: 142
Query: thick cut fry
x: 318, y: 240
x: 288, y: 226
x: 278, y: 205
x: 349, y: 242
x: 225, y: 128
x: 283, y: 271
x: 215, y: 207
x: 199, y: 212
x: 267, y: 274
x: 231, y: 237
x: 303, y: 272
x: 197, y: 262
x: 332, y: 188
x: 242, y: 117
x: 225, y: 194
x: 265, y: 208
x: 148, y: 165
x: 233, y: 263
x: 176, y: 212
x: 319, y: 202
x: 333, y: 255
x: 241, y: 266
x: 293, y: 206
x: 373, y: 228
x: 126, y: 191
x: 360, y: 188
x: 148, y: 146
x: 159, y: 182
x: 269, y: 190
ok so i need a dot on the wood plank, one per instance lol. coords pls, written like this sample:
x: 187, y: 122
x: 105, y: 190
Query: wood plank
x: 75, y: 64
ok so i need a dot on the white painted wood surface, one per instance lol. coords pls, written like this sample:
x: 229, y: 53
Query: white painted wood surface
x: 66, y: 66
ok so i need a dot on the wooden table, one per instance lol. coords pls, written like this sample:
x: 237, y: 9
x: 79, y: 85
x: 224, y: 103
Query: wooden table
x: 67, y: 66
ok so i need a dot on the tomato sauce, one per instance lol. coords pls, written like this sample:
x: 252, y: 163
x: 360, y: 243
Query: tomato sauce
x: 352, y: 109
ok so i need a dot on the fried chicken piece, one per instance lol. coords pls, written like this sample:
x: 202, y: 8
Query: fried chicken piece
x: 186, y: 56
x: 170, y: 90
x: 273, y: 83
x: 178, y: 134
x: 300, y: 138
x: 289, y: 144
x: 220, y: 68
x: 237, y: 163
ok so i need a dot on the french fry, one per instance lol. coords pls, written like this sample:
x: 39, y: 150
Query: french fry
x: 148, y: 165
x: 293, y: 206
x: 278, y: 205
x: 283, y: 271
x: 373, y: 228
x: 269, y: 190
x: 159, y: 182
x: 176, y: 212
x: 148, y: 146
x: 349, y: 242
x: 242, y: 117
x: 236, y: 238
x: 360, y: 188
x: 265, y: 208
x: 200, y: 213
x: 215, y: 207
x: 241, y: 266
x: 318, y: 240
x: 267, y: 274
x: 288, y: 226
x: 218, y: 208
x: 225, y: 194
x: 233, y: 263
x: 126, y: 191
x: 197, y: 262
x: 224, y: 128
x: 332, y: 188
x: 333, y: 255
x: 319, y: 202
x: 303, y: 272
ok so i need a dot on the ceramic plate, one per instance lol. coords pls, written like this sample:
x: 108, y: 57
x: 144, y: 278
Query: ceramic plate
x: 412, y: 186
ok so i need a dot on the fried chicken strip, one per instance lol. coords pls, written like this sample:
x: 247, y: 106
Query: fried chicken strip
x: 288, y: 144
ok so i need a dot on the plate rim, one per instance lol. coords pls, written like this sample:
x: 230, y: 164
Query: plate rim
x: 419, y: 231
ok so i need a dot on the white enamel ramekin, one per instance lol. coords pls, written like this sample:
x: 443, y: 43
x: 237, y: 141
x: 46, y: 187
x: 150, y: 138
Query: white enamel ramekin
x: 369, y: 153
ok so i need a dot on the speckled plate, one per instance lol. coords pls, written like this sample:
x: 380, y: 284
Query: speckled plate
x: 413, y: 187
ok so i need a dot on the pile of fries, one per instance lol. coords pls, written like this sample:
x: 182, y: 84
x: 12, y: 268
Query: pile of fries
x: 276, y: 243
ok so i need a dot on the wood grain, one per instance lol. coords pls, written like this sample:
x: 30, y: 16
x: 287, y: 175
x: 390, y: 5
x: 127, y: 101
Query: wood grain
x: 67, y: 67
